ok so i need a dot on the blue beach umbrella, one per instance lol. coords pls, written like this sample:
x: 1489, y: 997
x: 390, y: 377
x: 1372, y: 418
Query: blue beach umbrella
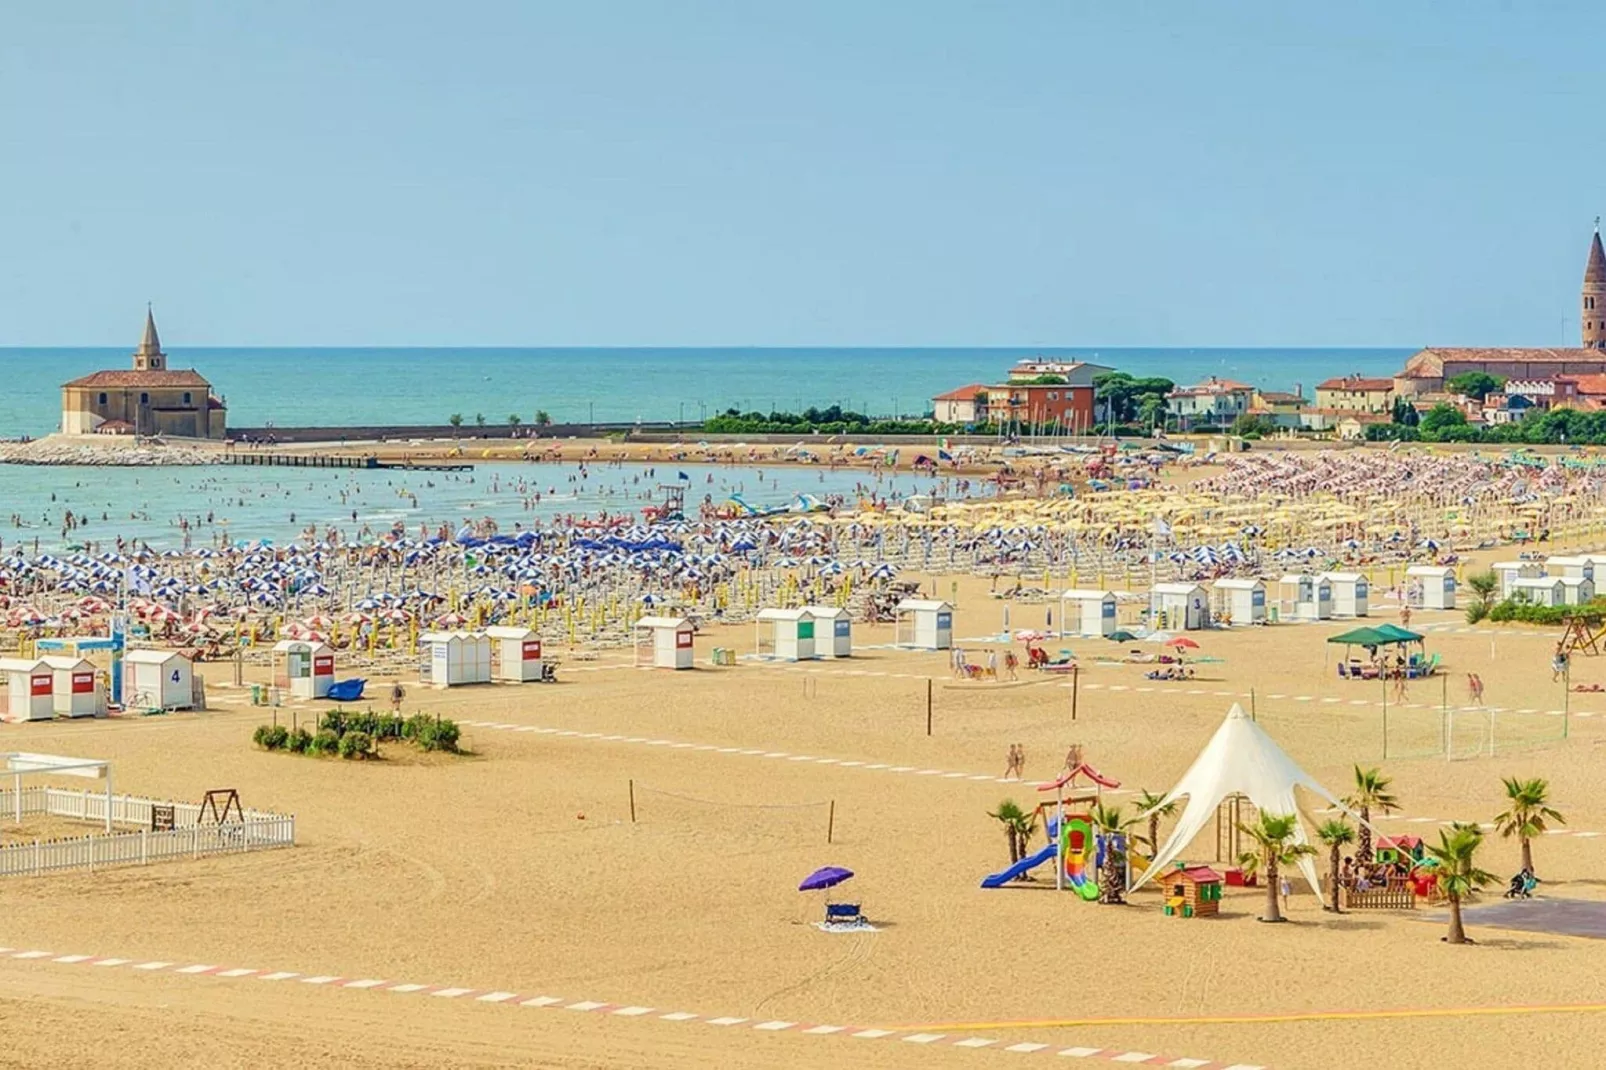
x: 825, y: 877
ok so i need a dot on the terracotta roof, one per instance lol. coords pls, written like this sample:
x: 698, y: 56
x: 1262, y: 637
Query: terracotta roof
x: 1590, y: 384
x: 1210, y: 386
x: 1355, y: 382
x: 133, y: 379
x: 1201, y: 874
x: 1429, y: 363
x: 1281, y: 397
x: 1368, y: 417
x: 964, y: 393
x: 1595, y: 270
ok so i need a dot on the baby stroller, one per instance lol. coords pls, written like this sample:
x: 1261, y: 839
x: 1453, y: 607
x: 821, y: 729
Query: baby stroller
x: 1522, y: 886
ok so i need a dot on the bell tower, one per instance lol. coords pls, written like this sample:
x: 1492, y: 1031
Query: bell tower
x: 1592, y: 303
x: 150, y: 358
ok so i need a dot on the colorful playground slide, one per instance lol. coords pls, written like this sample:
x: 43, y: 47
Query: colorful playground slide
x: 1003, y: 877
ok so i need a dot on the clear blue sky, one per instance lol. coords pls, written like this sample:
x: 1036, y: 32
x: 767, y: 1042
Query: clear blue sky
x: 896, y: 172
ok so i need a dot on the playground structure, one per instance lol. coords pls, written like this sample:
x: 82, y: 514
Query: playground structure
x: 1192, y: 892
x: 1584, y: 633
x: 1075, y: 848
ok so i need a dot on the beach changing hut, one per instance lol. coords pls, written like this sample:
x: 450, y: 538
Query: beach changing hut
x: 1242, y: 602
x: 1576, y: 590
x: 30, y: 687
x: 1306, y: 597
x: 517, y: 654
x: 925, y: 624
x: 1540, y: 590
x: 791, y: 633
x: 164, y: 679
x: 1350, y: 591
x: 1437, y: 584
x: 303, y: 668
x: 1087, y: 613
x: 1179, y: 606
x: 452, y: 659
x: 833, y: 631
x: 664, y: 642
x: 75, y: 687
x: 1572, y: 568
x: 1508, y: 572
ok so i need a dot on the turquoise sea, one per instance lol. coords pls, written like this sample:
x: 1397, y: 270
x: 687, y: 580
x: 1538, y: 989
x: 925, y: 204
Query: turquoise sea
x: 311, y: 386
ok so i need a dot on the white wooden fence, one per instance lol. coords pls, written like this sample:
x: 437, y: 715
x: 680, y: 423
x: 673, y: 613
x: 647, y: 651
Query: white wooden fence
x: 259, y: 831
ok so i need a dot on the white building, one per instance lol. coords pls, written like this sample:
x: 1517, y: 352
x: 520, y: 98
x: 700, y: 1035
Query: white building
x: 1432, y: 586
x: 1090, y: 614
x: 1350, y: 591
x: 1184, y: 606
x: 1242, y: 602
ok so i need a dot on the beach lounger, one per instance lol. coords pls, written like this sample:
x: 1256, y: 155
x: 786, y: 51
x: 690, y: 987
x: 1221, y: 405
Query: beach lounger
x: 843, y: 913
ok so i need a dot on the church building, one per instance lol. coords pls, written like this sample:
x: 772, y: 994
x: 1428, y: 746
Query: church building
x: 150, y: 399
x: 1426, y: 371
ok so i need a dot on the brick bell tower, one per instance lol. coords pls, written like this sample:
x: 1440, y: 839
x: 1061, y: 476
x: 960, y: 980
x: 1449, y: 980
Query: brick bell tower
x: 1592, y: 303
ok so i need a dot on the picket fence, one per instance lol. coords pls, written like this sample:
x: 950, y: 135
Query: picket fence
x: 258, y: 831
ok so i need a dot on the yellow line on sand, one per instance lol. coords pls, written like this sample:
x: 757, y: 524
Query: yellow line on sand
x: 1262, y: 1019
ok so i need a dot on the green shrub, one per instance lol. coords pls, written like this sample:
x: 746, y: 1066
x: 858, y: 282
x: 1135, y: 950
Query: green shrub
x: 275, y: 736
x: 300, y: 741
x: 355, y: 744
x: 327, y: 741
x: 260, y: 736
x: 1476, y: 612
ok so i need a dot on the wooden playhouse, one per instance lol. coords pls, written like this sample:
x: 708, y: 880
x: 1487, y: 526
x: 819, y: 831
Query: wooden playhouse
x: 1192, y: 892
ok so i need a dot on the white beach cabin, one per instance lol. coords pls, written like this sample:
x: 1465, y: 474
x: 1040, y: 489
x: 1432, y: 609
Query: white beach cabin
x: 924, y: 624
x: 833, y: 631
x: 1576, y: 590
x: 452, y: 659
x: 1437, y: 585
x: 75, y: 686
x: 1243, y: 602
x: 664, y: 642
x: 303, y: 668
x: 30, y: 687
x: 1350, y: 591
x: 159, y: 678
x: 791, y: 633
x: 1540, y: 590
x: 1508, y: 572
x: 1573, y: 568
x: 1179, y: 606
x: 1090, y: 614
x: 517, y: 653
x: 1305, y: 597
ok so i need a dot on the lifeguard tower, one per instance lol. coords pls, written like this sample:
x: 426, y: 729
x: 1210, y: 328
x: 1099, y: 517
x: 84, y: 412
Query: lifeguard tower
x: 791, y: 633
x: 833, y: 631
x: 303, y: 668
x: 29, y: 689
x: 1089, y: 614
x: 924, y: 624
x: 75, y: 687
x: 517, y: 654
x: 452, y: 659
x: 663, y: 642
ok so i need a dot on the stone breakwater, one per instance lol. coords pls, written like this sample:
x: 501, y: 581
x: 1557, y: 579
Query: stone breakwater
x: 55, y: 450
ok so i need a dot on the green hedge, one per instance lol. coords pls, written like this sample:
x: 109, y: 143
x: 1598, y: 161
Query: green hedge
x: 358, y: 735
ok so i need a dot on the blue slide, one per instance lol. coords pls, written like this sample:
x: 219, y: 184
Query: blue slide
x: 998, y: 880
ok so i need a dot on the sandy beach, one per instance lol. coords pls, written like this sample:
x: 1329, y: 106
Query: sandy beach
x: 518, y: 870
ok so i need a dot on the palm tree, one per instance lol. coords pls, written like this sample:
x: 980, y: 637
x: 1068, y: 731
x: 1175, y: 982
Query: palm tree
x: 479, y: 419
x: 542, y: 418
x: 1459, y: 875
x: 1018, y: 827
x: 1149, y: 802
x: 1526, y: 814
x: 1371, y: 792
x: 1111, y: 822
x: 1484, y: 585
x: 1274, y: 836
x: 1334, y: 834
x: 514, y: 419
x: 456, y: 419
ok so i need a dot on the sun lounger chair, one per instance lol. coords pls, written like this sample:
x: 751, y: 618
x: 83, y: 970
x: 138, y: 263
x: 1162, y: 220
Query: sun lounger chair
x: 1343, y: 671
x: 843, y: 913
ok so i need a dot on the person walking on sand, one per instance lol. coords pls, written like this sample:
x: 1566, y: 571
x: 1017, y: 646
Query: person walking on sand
x: 1475, y: 688
x: 1558, y: 664
x: 1401, y: 690
x: 1405, y: 616
x: 1011, y: 762
x: 397, y: 693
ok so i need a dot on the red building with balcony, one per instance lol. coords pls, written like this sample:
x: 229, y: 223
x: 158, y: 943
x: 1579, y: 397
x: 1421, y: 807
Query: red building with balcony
x: 1041, y: 408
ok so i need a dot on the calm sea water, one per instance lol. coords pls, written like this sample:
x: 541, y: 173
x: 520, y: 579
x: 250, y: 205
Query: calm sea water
x: 291, y: 387
x: 239, y: 503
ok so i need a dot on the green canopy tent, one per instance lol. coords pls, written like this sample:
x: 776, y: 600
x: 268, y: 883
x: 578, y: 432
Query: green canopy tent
x: 1365, y: 637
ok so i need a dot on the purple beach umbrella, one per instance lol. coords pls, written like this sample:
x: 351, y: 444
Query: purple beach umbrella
x: 825, y: 877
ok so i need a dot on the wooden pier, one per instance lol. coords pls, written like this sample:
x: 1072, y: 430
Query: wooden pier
x: 340, y: 460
